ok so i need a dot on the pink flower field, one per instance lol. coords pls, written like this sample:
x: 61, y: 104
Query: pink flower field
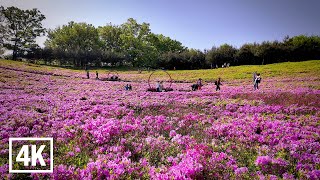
x: 101, y: 131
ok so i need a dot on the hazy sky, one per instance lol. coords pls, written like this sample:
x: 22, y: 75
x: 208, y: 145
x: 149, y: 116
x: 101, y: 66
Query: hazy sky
x: 198, y: 24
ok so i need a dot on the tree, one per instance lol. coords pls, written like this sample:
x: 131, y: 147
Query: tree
x: 22, y: 28
x: 224, y: 54
x: 196, y: 59
x: 246, y: 54
x: 135, y: 41
x: 110, y: 36
x: 303, y: 47
x: 3, y: 30
x: 165, y: 44
x: 75, y: 41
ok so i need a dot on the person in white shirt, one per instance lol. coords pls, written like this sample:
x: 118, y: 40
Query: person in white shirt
x: 158, y: 86
x: 257, y: 80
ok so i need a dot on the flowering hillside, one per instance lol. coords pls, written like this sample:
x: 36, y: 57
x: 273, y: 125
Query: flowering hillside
x: 102, y: 131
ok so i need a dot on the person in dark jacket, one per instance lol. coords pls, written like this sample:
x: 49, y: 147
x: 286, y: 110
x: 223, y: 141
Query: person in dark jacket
x: 218, y: 84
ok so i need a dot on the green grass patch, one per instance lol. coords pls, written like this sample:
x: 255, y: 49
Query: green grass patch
x: 286, y: 69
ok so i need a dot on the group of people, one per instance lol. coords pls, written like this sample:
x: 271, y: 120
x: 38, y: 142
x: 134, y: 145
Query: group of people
x: 88, y: 75
x: 217, y: 83
x: 197, y: 86
x: 113, y: 77
x: 128, y: 87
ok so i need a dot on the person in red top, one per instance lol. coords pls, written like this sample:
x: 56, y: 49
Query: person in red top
x: 199, y: 83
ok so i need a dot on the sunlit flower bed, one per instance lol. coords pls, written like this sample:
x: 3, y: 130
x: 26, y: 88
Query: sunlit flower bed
x: 102, y: 131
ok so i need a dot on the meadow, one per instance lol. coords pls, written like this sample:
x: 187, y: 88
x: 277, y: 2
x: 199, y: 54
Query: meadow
x: 102, y: 131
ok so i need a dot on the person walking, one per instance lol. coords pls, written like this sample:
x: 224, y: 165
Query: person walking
x: 218, y: 84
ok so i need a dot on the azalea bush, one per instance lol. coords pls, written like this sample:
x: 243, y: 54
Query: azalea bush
x: 102, y: 131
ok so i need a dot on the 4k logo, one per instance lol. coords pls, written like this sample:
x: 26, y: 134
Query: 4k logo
x: 30, y: 154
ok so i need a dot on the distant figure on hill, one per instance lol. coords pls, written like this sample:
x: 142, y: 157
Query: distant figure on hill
x: 257, y: 80
x: 218, y: 84
x: 88, y: 75
x: 97, y: 75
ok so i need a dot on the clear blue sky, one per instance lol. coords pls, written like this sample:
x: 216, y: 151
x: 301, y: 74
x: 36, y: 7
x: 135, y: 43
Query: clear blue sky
x: 198, y: 24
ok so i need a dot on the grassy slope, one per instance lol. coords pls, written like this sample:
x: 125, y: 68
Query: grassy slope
x: 288, y: 69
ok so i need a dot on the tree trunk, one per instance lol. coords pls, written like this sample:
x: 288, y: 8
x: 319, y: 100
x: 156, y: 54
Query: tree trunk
x: 14, y: 54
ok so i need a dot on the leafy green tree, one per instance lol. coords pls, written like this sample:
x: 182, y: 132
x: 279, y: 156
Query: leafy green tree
x: 196, y: 59
x: 47, y: 55
x: 246, y: 54
x: 135, y: 44
x: 303, y: 47
x: 165, y: 44
x: 224, y: 54
x: 76, y: 40
x: 110, y: 37
x: 270, y: 52
x: 22, y: 28
x: 111, y: 57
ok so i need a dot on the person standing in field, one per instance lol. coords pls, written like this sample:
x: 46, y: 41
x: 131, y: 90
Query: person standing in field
x: 97, y: 75
x: 257, y: 80
x: 88, y: 75
x: 254, y: 77
x: 199, y: 83
x: 218, y: 84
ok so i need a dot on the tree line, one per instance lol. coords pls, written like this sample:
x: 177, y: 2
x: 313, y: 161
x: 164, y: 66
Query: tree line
x: 134, y: 44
